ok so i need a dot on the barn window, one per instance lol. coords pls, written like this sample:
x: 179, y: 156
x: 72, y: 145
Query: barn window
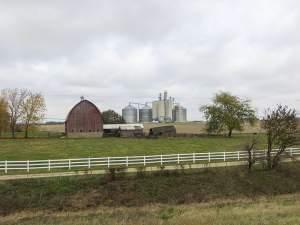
x: 72, y: 131
x: 80, y: 131
x: 90, y: 131
x: 98, y: 130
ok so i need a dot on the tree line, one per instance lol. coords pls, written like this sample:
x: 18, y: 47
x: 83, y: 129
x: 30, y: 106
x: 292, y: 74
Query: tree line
x: 112, y: 117
x: 20, y: 107
x: 229, y: 112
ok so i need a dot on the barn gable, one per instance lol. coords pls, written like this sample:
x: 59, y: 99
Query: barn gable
x: 84, y: 120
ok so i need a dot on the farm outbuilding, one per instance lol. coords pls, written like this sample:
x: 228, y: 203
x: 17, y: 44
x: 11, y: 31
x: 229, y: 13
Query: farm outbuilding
x: 123, y: 130
x: 134, y: 130
x: 84, y: 120
x: 163, y: 131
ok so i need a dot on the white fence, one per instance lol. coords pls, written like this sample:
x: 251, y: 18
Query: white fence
x: 131, y: 161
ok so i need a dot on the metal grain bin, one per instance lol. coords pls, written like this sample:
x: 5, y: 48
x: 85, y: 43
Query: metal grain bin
x: 179, y: 114
x: 129, y: 114
x: 145, y: 114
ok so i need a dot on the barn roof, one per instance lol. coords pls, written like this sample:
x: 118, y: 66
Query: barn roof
x: 82, y: 101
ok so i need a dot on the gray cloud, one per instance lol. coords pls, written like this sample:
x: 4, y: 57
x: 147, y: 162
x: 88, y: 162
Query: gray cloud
x: 113, y: 52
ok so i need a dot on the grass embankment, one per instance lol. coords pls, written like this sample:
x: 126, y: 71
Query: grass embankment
x: 277, y: 210
x: 171, y: 189
x: 30, y: 149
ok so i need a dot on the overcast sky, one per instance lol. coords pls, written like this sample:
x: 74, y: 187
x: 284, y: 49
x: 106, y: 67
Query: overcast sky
x: 114, y: 51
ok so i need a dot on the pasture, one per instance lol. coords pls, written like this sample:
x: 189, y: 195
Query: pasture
x: 56, y: 148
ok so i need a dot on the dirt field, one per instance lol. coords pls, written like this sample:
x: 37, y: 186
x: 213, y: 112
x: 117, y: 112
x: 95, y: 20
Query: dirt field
x: 52, y: 128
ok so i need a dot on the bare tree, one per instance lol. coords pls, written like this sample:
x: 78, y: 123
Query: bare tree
x: 250, y: 148
x: 4, y: 115
x: 15, y: 99
x: 33, y: 110
x: 281, y: 127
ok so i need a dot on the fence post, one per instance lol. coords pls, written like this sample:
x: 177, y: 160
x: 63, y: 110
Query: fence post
x: 108, y: 162
x: 224, y: 156
x: 178, y: 158
x: 161, y: 160
x: 89, y: 163
x: 209, y: 157
x: 238, y: 155
x: 49, y: 165
x: 194, y: 157
x: 144, y: 160
x: 291, y: 152
x: 5, y: 166
x: 69, y: 164
x: 127, y: 161
x: 27, y: 166
x: 265, y: 154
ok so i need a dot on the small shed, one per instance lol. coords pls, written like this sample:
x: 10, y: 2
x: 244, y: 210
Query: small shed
x: 163, y: 131
x: 84, y: 120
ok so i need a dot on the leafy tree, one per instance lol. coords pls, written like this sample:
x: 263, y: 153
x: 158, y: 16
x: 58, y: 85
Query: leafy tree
x: 281, y: 128
x: 228, y: 113
x: 4, y: 115
x: 15, y: 99
x: 112, y: 117
x: 33, y: 110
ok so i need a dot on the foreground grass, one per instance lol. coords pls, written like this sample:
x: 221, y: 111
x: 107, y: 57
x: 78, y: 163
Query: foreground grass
x: 165, y: 187
x: 30, y: 149
x: 276, y: 210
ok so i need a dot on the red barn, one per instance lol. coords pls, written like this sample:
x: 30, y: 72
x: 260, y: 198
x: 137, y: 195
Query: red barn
x: 84, y: 120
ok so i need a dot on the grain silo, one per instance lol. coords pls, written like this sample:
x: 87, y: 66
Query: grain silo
x: 145, y: 114
x: 155, y: 110
x: 179, y: 114
x: 129, y: 114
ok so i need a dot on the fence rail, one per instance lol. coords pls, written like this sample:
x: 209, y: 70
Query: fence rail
x: 128, y: 161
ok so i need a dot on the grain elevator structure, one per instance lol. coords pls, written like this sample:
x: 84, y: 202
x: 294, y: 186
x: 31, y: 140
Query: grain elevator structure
x: 164, y: 109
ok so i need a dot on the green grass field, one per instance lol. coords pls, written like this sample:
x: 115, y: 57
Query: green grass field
x: 55, y: 148
x: 212, y: 196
